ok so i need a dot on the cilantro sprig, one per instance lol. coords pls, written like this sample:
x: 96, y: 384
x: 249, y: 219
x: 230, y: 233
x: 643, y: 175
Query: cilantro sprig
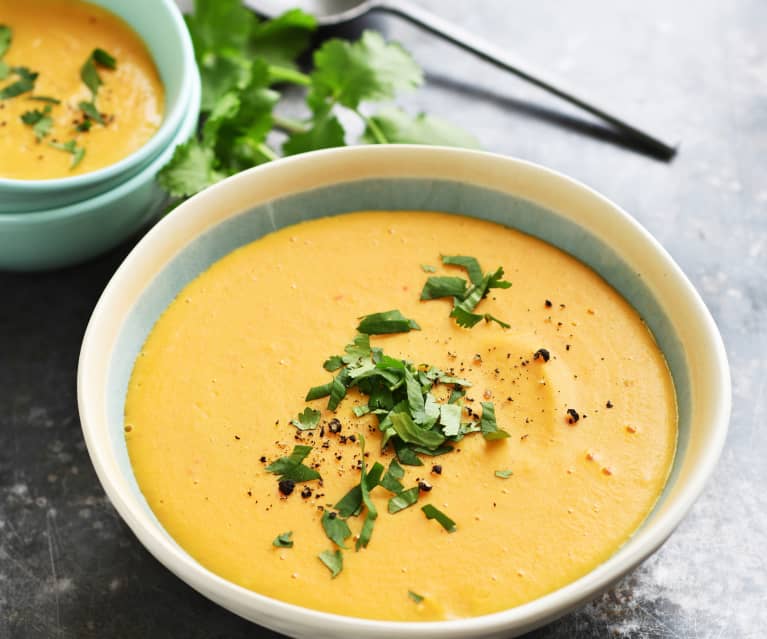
x: 466, y: 294
x: 245, y: 64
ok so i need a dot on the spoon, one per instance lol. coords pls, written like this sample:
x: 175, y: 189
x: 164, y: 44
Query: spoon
x: 335, y: 12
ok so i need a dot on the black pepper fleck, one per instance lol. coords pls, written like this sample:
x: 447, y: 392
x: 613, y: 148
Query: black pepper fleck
x: 286, y: 486
x: 572, y: 416
x: 436, y: 469
x: 306, y: 492
x: 424, y: 486
x: 609, y: 404
x: 543, y: 354
x: 334, y: 426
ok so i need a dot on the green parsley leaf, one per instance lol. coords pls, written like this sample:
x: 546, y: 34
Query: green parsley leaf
x: 33, y: 117
x: 410, y: 433
x: 404, y: 499
x: 386, y: 322
x: 405, y: 454
x: 369, y: 69
x: 192, y: 168
x: 487, y: 424
x: 398, y: 127
x: 359, y: 411
x: 433, y: 513
x: 415, y: 596
x: 5, y: 70
x: 336, y: 529
x: 25, y: 83
x: 333, y: 363
x: 390, y: 481
x: 281, y: 40
x: 308, y: 420
x: 465, y: 318
x: 316, y: 392
x: 351, y: 503
x: 334, y: 560
x: 450, y: 418
x: 90, y: 110
x: 337, y: 391
x: 436, y: 287
x: 428, y: 269
x: 283, y: 540
x: 290, y: 467
x: 6, y: 36
x: 503, y: 474
x: 326, y: 132
x: 469, y: 263
x: 78, y: 153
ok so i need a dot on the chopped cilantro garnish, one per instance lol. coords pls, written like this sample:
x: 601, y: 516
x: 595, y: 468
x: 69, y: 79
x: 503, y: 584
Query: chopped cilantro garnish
x: 415, y: 596
x: 503, y: 474
x: 44, y: 98
x: 291, y: 468
x: 307, y: 420
x: 434, y: 513
x: 90, y: 110
x: 25, y: 83
x: 488, y: 425
x: 410, y: 433
x: 89, y: 73
x: 404, y: 499
x: 104, y: 59
x: 334, y: 560
x: 372, y: 511
x: 6, y: 35
x: 336, y: 529
x: 465, y: 298
x: 386, y: 323
x: 78, y: 152
x: 427, y: 268
x: 283, y: 540
x: 40, y: 121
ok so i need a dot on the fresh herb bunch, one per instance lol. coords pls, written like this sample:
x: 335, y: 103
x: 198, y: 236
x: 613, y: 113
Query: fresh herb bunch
x: 244, y: 63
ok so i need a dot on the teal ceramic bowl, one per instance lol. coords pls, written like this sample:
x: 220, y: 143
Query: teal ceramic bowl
x: 161, y: 27
x: 510, y: 192
x: 74, y: 233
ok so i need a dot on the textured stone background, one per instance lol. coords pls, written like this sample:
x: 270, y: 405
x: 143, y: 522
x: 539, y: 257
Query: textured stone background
x: 69, y: 567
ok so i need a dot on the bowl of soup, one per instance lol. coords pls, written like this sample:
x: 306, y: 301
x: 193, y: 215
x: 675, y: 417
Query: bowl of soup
x: 90, y: 94
x: 401, y: 391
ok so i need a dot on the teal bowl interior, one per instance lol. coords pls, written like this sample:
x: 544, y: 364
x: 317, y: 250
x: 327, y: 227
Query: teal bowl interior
x: 383, y: 194
x: 74, y: 233
x: 161, y: 27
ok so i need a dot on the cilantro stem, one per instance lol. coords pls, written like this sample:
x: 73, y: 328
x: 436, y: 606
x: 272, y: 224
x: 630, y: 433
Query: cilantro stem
x: 286, y: 74
x: 375, y: 130
x: 267, y: 151
x: 288, y: 125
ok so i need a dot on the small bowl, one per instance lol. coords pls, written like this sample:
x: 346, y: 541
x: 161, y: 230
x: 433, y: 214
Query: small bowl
x: 524, y: 196
x: 74, y: 233
x: 161, y: 26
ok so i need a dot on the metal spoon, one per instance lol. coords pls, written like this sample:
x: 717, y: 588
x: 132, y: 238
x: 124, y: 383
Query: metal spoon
x: 334, y: 12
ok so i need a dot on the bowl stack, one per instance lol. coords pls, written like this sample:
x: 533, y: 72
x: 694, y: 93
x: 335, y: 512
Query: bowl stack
x: 53, y: 223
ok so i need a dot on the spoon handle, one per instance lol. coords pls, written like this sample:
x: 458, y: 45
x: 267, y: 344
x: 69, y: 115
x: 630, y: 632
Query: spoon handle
x: 503, y: 59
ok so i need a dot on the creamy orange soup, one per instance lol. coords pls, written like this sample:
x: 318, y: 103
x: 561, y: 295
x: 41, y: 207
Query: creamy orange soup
x: 229, y: 363
x: 54, y: 38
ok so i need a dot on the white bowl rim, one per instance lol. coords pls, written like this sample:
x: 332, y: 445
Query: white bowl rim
x: 524, y: 617
x: 146, y: 152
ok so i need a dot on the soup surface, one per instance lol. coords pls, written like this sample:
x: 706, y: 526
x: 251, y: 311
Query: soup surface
x: 228, y: 365
x: 55, y: 39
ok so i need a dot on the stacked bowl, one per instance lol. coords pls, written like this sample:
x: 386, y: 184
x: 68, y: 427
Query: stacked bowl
x: 59, y: 222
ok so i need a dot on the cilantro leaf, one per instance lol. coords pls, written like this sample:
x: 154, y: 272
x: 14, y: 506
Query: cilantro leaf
x: 89, y: 73
x: 316, y: 392
x: 333, y: 560
x: 487, y: 424
x: 307, y: 420
x: 405, y: 454
x: 333, y: 363
x: 336, y: 529
x: 503, y: 474
x: 398, y: 127
x: 326, y: 132
x: 104, y: 59
x: 386, y: 322
x: 6, y: 36
x: 426, y: 268
x: 404, y: 499
x: 44, y: 98
x: 436, y: 287
x: 191, y: 169
x: 40, y: 121
x: 90, y: 110
x: 464, y: 318
x: 410, y: 433
x: 5, y: 70
x: 290, y: 467
x: 434, y: 513
x: 219, y: 25
x: 390, y: 481
x: 372, y: 511
x: 450, y: 418
x: 78, y: 153
x: 415, y: 596
x: 469, y: 263
x: 369, y: 69
x: 281, y: 40
x: 25, y: 83
x: 283, y: 540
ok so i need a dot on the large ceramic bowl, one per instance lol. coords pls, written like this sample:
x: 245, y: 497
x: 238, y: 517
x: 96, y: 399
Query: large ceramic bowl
x: 74, y: 233
x: 160, y: 25
x: 514, y: 193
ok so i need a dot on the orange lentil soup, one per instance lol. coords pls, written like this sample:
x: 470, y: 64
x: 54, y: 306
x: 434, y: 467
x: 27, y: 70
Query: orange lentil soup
x: 228, y: 365
x: 54, y: 39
